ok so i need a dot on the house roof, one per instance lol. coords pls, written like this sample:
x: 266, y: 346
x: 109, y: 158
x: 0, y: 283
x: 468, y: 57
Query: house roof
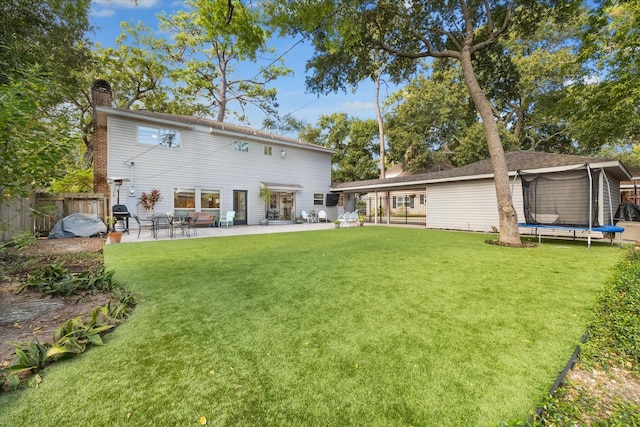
x: 396, y: 170
x: 517, y: 162
x: 191, y: 122
x: 635, y: 178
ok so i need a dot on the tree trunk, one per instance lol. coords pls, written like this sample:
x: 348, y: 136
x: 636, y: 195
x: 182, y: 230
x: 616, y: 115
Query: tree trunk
x: 508, y: 218
x: 380, y: 123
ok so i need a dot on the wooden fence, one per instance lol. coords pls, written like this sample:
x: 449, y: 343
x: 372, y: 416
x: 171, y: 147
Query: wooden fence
x: 15, y: 216
x: 41, y: 211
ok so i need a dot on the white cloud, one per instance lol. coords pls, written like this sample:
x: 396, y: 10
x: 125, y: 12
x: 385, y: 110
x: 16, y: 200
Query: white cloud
x: 128, y: 4
x: 104, y: 13
x: 357, y: 106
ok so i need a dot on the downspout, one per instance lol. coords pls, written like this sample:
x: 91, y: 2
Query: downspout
x: 375, y: 208
x: 426, y: 221
x: 590, y: 204
x: 590, y: 196
x: 388, y: 207
x: 513, y: 184
x: 606, y: 178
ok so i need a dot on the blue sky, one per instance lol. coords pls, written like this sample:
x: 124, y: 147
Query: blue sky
x: 293, y: 98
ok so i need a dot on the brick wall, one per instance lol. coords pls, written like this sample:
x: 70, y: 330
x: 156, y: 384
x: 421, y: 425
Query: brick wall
x: 101, y: 96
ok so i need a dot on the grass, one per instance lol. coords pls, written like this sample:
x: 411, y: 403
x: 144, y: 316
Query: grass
x: 366, y: 326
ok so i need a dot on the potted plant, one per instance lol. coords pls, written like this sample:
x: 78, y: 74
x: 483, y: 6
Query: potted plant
x: 265, y: 195
x: 360, y: 220
x: 336, y: 223
x: 114, y: 236
x: 148, y: 201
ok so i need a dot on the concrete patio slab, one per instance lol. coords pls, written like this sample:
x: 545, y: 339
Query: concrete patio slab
x: 236, y: 230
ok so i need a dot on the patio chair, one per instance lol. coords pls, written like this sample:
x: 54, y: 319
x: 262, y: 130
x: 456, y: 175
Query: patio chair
x: 228, y: 219
x: 161, y: 222
x: 343, y: 218
x: 308, y: 217
x: 322, y: 216
x: 146, y: 223
x: 348, y: 217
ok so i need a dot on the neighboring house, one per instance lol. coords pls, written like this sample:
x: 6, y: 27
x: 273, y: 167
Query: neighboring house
x: 629, y: 190
x: 204, y: 165
x: 464, y: 198
x: 404, y: 206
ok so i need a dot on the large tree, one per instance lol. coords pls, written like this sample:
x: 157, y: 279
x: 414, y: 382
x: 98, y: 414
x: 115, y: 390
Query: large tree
x: 429, y: 120
x: 42, y: 45
x: 46, y: 34
x: 606, y: 107
x: 355, y: 142
x: 433, y: 116
x: 30, y: 152
x: 136, y: 67
x: 411, y: 31
x: 211, y: 41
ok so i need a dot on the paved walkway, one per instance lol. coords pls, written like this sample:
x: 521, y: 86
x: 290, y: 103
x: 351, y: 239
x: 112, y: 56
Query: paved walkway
x: 236, y: 230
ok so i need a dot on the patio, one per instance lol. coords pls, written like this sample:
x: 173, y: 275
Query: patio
x: 236, y: 230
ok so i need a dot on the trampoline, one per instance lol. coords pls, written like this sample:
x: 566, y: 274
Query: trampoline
x: 566, y: 200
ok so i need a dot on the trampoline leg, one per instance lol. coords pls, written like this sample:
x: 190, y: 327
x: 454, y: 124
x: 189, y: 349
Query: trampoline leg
x: 589, y: 241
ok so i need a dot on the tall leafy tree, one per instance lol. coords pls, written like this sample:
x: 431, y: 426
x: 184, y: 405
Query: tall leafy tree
x: 606, y: 107
x: 136, y: 67
x: 29, y: 150
x: 429, y: 118
x: 414, y: 30
x: 46, y: 34
x: 42, y: 45
x: 535, y: 66
x: 210, y: 43
x: 434, y: 116
x: 355, y: 142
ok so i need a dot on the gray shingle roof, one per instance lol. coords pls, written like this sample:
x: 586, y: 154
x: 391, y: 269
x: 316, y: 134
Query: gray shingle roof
x: 516, y: 161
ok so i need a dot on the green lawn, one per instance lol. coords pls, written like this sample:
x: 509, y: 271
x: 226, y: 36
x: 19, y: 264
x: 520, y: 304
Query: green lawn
x: 362, y: 326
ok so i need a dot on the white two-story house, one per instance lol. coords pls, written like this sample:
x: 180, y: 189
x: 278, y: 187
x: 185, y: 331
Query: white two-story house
x: 203, y: 165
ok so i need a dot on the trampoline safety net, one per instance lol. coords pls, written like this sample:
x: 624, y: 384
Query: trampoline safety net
x: 561, y: 198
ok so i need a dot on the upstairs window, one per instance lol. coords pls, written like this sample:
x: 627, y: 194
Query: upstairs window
x: 159, y: 136
x: 268, y: 151
x: 241, y: 146
x: 318, y: 199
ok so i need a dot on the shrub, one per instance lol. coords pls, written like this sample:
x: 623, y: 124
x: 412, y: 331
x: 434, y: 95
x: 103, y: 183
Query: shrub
x: 615, y: 331
x: 55, y: 279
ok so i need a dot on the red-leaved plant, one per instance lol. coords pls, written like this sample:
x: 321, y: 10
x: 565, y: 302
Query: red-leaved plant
x: 148, y: 200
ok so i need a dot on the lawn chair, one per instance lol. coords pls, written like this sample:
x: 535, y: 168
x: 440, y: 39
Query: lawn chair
x: 343, y: 218
x: 322, y: 216
x: 308, y: 217
x: 228, y: 219
x: 348, y: 217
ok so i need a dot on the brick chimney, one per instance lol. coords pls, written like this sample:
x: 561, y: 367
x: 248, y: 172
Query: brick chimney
x: 100, y: 97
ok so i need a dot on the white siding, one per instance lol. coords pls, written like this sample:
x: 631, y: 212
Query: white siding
x: 472, y: 206
x: 467, y: 205
x: 208, y: 161
x: 609, y: 199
